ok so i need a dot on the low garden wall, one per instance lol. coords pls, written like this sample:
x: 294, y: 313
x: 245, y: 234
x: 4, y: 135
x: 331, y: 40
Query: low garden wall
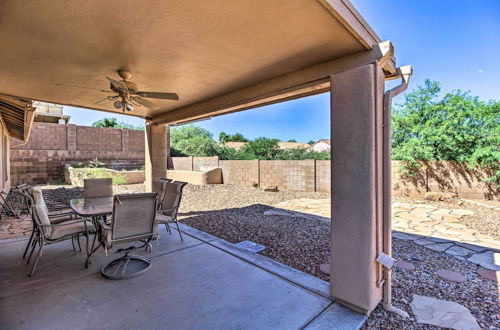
x: 76, y: 175
x: 208, y: 176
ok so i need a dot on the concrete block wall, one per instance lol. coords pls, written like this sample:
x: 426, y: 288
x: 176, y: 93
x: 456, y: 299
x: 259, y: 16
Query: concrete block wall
x: 323, y: 175
x: 240, y: 172
x: 181, y: 163
x: 288, y: 174
x: 444, y: 176
x: 51, y: 146
x: 205, y: 162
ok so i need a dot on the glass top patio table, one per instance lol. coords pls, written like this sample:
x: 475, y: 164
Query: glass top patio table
x: 92, y: 207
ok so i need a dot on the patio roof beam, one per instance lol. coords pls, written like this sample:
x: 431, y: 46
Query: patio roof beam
x: 308, y: 81
x: 349, y: 17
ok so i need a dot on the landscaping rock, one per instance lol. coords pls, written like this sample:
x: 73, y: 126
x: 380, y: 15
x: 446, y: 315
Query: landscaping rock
x: 489, y: 274
x: 277, y: 212
x: 440, y: 196
x: 451, y: 276
x: 442, y: 313
x: 462, y: 212
x: 404, y: 236
x: 440, y: 247
x: 459, y: 251
x: 325, y: 268
x: 404, y: 265
x: 488, y: 260
x: 423, y: 241
x: 272, y: 189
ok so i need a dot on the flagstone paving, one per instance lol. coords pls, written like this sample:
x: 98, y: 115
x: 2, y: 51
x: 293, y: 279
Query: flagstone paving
x: 442, y: 313
x: 438, y: 229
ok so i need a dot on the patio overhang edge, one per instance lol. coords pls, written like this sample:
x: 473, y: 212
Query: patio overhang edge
x: 17, y: 127
x: 305, y: 82
x: 352, y: 20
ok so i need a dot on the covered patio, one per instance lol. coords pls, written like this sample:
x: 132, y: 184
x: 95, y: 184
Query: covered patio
x: 201, y: 283
x: 219, y: 57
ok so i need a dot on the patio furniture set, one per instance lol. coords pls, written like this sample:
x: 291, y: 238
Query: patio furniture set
x: 119, y: 223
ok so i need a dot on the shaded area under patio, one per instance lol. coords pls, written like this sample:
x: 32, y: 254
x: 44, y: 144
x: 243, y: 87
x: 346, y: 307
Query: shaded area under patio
x: 203, y: 282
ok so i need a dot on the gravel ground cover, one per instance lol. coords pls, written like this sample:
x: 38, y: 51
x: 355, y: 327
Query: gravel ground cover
x: 480, y: 296
x: 235, y: 213
x: 485, y: 220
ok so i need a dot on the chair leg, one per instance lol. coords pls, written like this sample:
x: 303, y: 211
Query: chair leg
x: 78, y: 241
x: 73, y: 242
x: 92, y: 251
x: 29, y: 243
x: 38, y: 255
x: 33, y: 245
x: 168, y: 228
x: 180, y: 234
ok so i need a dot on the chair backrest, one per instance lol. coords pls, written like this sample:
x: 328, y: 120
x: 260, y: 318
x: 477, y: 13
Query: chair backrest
x: 172, y: 200
x: 133, y: 216
x: 97, y: 187
x: 39, y: 210
x: 159, y: 188
x: 34, y: 196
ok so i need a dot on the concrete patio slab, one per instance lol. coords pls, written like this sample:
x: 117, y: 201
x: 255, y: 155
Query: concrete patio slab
x: 59, y: 262
x: 191, y: 285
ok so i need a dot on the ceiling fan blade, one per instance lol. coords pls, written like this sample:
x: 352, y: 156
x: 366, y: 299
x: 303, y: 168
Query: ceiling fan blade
x: 158, y: 95
x: 144, y: 102
x: 84, y: 87
x: 100, y: 101
x: 117, y: 84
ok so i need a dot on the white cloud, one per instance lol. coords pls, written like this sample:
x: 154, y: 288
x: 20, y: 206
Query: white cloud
x: 480, y: 71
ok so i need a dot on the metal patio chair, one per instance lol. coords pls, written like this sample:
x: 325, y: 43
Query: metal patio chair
x: 169, y: 205
x: 133, y: 220
x: 49, y: 233
x: 97, y: 187
x: 34, y: 196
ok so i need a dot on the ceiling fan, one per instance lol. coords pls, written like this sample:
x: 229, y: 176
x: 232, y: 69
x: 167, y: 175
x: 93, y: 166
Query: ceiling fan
x: 127, y: 93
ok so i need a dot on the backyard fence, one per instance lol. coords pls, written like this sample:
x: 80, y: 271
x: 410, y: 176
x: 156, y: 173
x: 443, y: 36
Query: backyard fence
x: 314, y: 175
x: 51, y: 146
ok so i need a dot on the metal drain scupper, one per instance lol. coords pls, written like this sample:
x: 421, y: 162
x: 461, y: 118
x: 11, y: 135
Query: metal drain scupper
x: 251, y: 246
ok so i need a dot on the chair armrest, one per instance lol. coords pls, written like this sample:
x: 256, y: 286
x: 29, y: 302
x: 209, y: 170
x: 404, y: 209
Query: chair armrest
x: 66, y: 223
x: 62, y: 214
x: 103, y: 224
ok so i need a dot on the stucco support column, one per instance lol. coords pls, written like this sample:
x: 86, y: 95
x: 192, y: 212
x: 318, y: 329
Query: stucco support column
x: 356, y: 135
x: 156, y: 152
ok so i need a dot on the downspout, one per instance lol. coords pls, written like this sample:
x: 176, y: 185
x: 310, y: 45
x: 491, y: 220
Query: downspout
x: 404, y: 73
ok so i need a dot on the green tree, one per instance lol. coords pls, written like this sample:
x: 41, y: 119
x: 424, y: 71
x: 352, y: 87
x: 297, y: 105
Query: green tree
x: 191, y: 140
x: 223, y: 137
x: 301, y: 154
x: 311, y: 142
x: 292, y: 140
x: 114, y: 123
x: 456, y: 127
x: 237, y: 138
x: 261, y: 148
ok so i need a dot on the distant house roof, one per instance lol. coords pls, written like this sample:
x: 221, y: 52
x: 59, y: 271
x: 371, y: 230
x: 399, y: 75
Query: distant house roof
x: 327, y: 141
x: 293, y: 145
x: 235, y: 145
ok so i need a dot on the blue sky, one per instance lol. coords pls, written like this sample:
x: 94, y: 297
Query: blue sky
x: 455, y: 42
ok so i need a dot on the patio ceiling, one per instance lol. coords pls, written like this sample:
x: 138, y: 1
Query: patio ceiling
x: 199, y: 50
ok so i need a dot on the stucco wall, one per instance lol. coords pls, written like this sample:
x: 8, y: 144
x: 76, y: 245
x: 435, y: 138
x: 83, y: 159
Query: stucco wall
x: 51, y: 146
